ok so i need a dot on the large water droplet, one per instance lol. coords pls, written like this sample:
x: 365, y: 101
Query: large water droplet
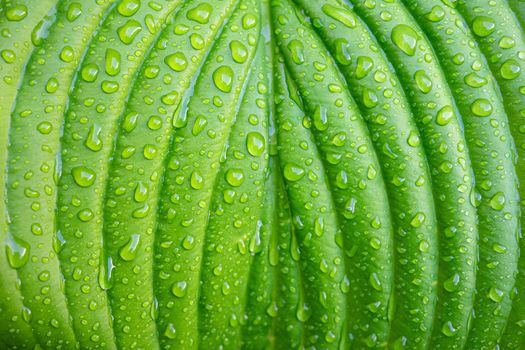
x: 405, y: 38
x: 17, y: 251
x: 223, y: 78
x: 342, y: 15
x: 293, y: 172
x: 483, y: 26
x: 83, y: 176
x: 200, y: 13
x: 129, y: 31
x: 235, y: 177
x: 129, y: 251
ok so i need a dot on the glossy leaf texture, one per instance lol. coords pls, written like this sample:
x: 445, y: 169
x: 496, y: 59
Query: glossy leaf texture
x: 262, y: 174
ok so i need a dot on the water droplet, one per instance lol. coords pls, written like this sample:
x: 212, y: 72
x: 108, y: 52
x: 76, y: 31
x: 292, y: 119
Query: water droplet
x: 85, y: 215
x: 44, y: 128
x: 481, y: 107
x: 483, y: 26
x: 141, y: 192
x: 8, y: 56
x: 36, y: 229
x: 255, y: 143
x: 319, y: 226
x: 129, y: 31
x: 128, y: 8
x: 496, y: 294
x: 112, y: 62
x: 109, y: 87
x: 17, y: 251
x: 150, y: 151
x: 293, y: 172
x: 176, y: 61
x: 223, y: 78
x: 27, y: 315
x: 296, y: 50
x: 497, y: 202
x: 239, y: 51
x: 16, y: 13
x: 424, y: 246
x: 303, y: 312
x: 89, y: 72
x: 44, y: 276
x: 474, y: 80
x: 405, y: 38
x: 199, y: 125
x: 375, y: 243
x: 418, y: 220
x: 342, y: 15
x: 83, y: 176
x: 364, y: 66
x: 445, y: 115
x: 451, y: 284
x: 424, y: 83
x: 413, y: 139
x: 448, y: 329
x: 375, y: 282
x: 510, y: 69
x: 370, y: 99
x: 170, y: 331
x: 52, y: 85
x: 350, y: 208
x: 188, y: 243
x: 179, y: 289
x: 196, y: 181
x: 67, y: 54
x: 342, y: 52
x: 506, y: 42
x: 249, y: 21
x: 197, y: 41
x: 200, y: 13
x: 129, y: 251
x: 320, y: 118
x: 93, y: 141
x: 235, y: 177
x: 498, y: 248
x: 74, y: 11
x: 436, y: 14
x: 130, y: 121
